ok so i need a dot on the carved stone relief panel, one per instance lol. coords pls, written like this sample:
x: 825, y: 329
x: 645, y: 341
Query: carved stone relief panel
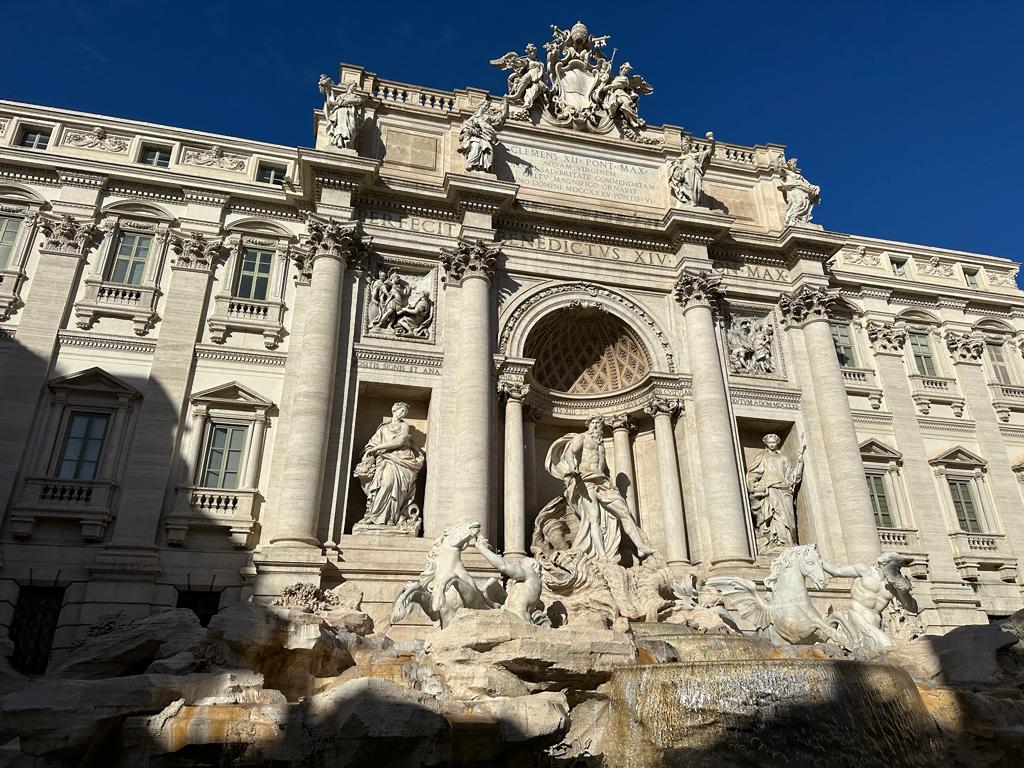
x: 752, y: 347
x: 401, y: 302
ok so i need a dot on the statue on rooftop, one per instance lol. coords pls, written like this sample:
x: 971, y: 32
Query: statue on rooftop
x: 343, y: 112
x: 526, y: 82
x: 800, y: 195
x: 479, y: 136
x: 686, y: 172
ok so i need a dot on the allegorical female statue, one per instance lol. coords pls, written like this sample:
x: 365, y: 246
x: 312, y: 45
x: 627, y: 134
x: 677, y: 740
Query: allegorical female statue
x: 343, y: 112
x: 388, y: 472
x: 771, y: 483
x: 800, y: 195
x: 686, y: 173
x: 479, y: 136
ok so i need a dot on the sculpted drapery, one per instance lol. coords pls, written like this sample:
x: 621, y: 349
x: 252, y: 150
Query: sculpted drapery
x: 388, y: 472
x: 772, y: 482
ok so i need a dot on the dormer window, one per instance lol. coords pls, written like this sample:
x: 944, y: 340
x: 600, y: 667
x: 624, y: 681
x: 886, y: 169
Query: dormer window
x: 270, y: 174
x: 159, y: 157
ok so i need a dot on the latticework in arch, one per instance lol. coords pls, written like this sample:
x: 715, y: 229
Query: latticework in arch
x: 586, y: 352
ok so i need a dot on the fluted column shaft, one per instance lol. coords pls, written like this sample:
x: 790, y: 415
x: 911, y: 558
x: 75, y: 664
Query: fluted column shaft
x: 515, y: 494
x: 311, y: 405
x: 676, y: 551
x: 470, y: 266
x: 720, y: 473
x: 808, y: 308
x: 625, y: 475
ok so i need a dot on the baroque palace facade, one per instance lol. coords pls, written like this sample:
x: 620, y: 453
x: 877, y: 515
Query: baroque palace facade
x: 199, y: 334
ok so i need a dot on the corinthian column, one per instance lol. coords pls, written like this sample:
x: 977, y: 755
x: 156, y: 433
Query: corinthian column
x: 469, y: 267
x: 513, y: 394
x: 330, y: 246
x: 625, y: 476
x: 720, y: 473
x: 807, y: 308
x: 668, y: 475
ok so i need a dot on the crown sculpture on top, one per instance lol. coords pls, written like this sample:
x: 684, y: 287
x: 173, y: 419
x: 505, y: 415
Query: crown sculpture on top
x: 575, y: 84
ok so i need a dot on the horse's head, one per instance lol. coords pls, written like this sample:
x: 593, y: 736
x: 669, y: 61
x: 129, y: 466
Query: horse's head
x: 811, y: 565
x: 460, y: 534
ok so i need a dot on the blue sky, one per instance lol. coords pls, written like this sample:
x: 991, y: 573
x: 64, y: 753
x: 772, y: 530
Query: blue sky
x: 907, y: 114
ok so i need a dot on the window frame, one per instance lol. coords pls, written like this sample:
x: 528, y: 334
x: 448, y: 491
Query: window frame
x: 898, y: 267
x: 961, y: 465
x: 971, y: 275
x: 886, y: 462
x: 61, y: 452
x: 116, y: 248
x: 918, y: 333
x: 148, y: 146
x: 881, y: 492
x: 240, y: 272
x: 846, y: 326
x: 231, y: 425
x: 966, y: 485
x: 14, y: 274
x: 272, y: 168
x: 28, y: 129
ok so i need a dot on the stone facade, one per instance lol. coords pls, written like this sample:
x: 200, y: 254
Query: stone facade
x: 186, y: 418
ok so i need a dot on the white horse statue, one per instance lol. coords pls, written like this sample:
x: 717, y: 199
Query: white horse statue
x: 786, y: 613
x: 445, y: 585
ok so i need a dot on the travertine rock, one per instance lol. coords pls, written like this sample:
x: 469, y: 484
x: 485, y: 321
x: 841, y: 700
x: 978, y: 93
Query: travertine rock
x: 549, y: 658
x: 542, y: 717
x: 980, y: 728
x: 68, y: 715
x: 966, y: 656
x: 126, y: 648
x: 288, y: 646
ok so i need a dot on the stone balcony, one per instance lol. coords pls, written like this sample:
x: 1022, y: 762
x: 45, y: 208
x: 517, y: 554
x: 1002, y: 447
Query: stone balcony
x: 905, y: 541
x: 927, y: 390
x: 861, y: 381
x: 234, y: 510
x: 86, y: 502
x: 1006, y: 398
x: 231, y: 314
x: 104, y: 299
x: 10, y: 287
x: 976, y: 552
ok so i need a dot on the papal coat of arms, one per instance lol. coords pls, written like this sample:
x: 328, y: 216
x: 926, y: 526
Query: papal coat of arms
x: 575, y: 85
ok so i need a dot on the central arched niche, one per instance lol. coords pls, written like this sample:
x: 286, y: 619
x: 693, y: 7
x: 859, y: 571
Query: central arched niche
x: 586, y: 351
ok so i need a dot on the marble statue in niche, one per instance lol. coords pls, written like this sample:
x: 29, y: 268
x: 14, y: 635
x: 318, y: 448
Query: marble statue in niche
x: 751, y: 349
x: 479, y: 136
x: 343, y: 112
x: 800, y: 195
x: 772, y: 482
x: 388, y: 472
x: 686, y: 172
x: 579, y: 461
x: 400, y: 307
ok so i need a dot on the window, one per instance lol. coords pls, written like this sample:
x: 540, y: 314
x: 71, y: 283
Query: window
x: 130, y: 263
x: 155, y: 156
x: 880, y: 501
x: 998, y: 360
x: 270, y: 174
x: 35, y: 621
x: 9, y: 226
x: 224, y: 453
x: 971, y: 276
x: 35, y: 138
x: 254, y: 274
x: 844, y: 345
x: 203, y: 604
x: 964, y: 505
x: 922, y: 351
x: 899, y: 267
x: 83, y: 445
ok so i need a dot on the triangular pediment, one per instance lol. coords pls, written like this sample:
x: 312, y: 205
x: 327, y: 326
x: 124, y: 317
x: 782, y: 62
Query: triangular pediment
x: 958, y: 457
x: 876, y: 450
x: 232, y: 394
x: 95, y: 381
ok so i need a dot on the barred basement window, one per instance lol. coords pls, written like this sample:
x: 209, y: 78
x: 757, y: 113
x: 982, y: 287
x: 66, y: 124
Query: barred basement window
x: 203, y: 603
x: 35, y: 621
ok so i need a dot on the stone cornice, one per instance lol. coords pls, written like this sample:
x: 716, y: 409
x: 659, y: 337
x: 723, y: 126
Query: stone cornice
x: 478, y: 193
x: 111, y: 343
x: 240, y: 356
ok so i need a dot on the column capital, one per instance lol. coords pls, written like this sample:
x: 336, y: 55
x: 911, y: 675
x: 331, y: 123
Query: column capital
x: 620, y: 421
x: 512, y: 390
x: 194, y: 251
x: 331, y: 238
x: 887, y: 338
x: 663, y: 405
x: 965, y: 347
x: 697, y: 289
x: 470, y: 258
x: 67, y: 235
x: 807, y: 305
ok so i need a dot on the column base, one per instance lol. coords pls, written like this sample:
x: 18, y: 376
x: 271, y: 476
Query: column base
x: 733, y: 567
x: 284, y: 563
